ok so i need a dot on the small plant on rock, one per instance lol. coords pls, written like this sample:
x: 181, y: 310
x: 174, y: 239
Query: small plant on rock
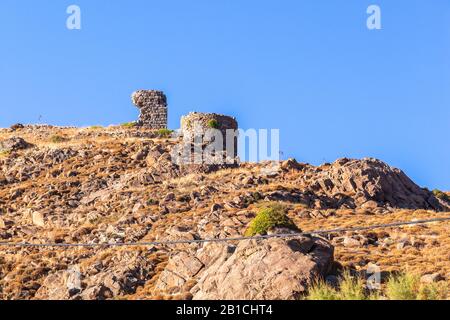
x: 5, y: 153
x: 128, y: 124
x: 164, y: 133
x: 213, y: 124
x: 269, y: 217
x: 58, y: 139
x: 441, y: 195
x: 152, y: 202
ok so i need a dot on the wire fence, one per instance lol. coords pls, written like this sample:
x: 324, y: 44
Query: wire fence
x: 235, y: 239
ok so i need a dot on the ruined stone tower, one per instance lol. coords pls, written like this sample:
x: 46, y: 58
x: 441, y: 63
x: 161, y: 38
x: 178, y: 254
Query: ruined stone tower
x: 206, y: 121
x: 153, y: 108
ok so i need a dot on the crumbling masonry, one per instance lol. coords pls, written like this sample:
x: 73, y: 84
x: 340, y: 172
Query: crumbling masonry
x: 153, y: 108
x: 153, y: 115
x: 207, y: 121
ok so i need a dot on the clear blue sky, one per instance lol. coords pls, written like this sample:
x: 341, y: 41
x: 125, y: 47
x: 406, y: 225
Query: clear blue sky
x: 310, y: 68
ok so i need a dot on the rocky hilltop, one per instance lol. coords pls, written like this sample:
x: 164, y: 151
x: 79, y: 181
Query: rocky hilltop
x: 118, y: 185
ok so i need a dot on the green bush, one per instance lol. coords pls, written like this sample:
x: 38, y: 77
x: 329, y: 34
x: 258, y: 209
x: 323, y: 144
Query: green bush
x: 433, y: 291
x: 441, y: 195
x: 152, y: 202
x: 322, y: 291
x: 400, y: 287
x: 164, y: 133
x: 128, y: 124
x: 58, y: 139
x: 268, y: 217
x: 213, y: 124
x: 4, y: 153
x: 409, y: 287
x: 352, y: 288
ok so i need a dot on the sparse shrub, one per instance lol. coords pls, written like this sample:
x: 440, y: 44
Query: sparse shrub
x: 320, y: 290
x: 352, y: 288
x: 164, y: 133
x: 128, y: 124
x: 152, y: 202
x: 408, y: 287
x: 257, y: 196
x: 433, y: 291
x: 58, y: 139
x: 95, y: 127
x: 213, y: 124
x: 400, y: 287
x: 268, y: 217
x: 4, y: 153
x: 441, y: 195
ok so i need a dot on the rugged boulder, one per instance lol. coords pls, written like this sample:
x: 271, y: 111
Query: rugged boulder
x: 14, y: 144
x: 267, y: 269
x: 100, y: 280
x: 368, y: 183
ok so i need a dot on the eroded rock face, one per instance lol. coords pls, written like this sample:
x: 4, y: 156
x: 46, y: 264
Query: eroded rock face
x: 153, y: 108
x: 13, y: 144
x: 370, y: 183
x: 254, y: 269
x: 269, y: 269
x: 100, y: 281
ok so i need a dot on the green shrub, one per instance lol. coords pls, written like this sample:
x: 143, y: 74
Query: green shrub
x: 352, y: 288
x: 152, y: 202
x: 128, y: 124
x: 58, y: 139
x: 409, y: 287
x: 441, y: 195
x: 400, y: 287
x: 433, y: 291
x: 268, y: 217
x: 164, y: 133
x: 4, y: 153
x: 322, y: 291
x: 213, y: 124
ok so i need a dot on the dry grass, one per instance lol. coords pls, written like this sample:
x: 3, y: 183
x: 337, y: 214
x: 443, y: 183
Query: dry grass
x: 404, y: 286
x: 430, y: 254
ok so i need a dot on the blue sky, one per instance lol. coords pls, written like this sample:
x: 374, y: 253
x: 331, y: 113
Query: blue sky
x: 310, y: 68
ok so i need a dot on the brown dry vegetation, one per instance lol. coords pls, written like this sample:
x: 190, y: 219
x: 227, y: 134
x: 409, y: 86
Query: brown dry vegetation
x: 133, y: 211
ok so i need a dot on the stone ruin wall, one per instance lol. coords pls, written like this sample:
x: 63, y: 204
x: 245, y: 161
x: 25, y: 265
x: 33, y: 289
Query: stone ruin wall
x: 153, y: 115
x: 153, y: 108
x: 196, y: 120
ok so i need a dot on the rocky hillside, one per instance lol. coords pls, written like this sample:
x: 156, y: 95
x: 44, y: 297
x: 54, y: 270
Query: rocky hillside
x: 116, y: 184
